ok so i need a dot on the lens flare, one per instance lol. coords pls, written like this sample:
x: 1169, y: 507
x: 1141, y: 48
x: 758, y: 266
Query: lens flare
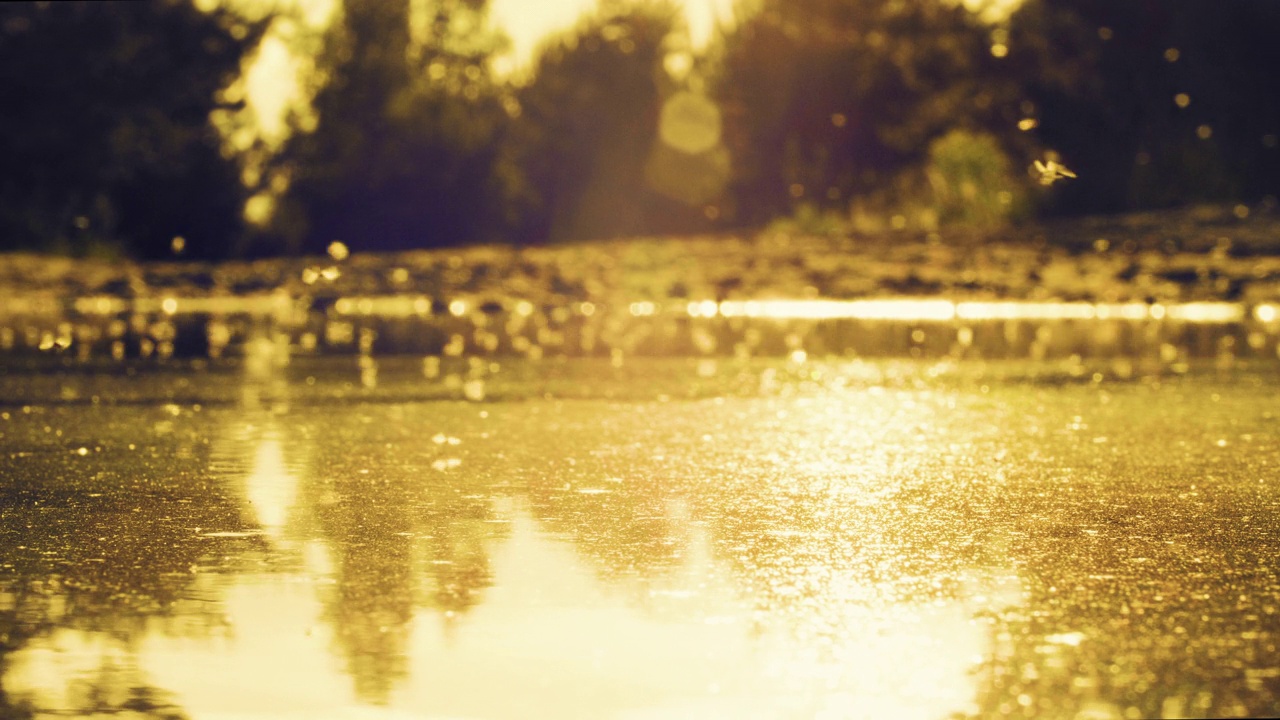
x: 690, y: 123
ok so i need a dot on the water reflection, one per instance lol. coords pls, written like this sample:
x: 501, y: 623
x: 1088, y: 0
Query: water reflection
x: 101, y: 675
x: 389, y: 529
x: 102, y: 526
x: 271, y: 488
x: 841, y: 546
x: 267, y: 330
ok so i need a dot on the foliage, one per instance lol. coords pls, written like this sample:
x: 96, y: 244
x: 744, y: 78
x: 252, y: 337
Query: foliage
x: 105, y: 135
x: 809, y: 219
x: 830, y: 99
x: 405, y: 152
x: 1154, y: 104
x: 907, y: 111
x: 973, y: 181
x: 588, y: 124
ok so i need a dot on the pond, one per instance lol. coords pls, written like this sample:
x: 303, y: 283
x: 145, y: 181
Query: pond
x: 775, y: 517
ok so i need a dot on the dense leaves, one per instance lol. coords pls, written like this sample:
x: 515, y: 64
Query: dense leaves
x: 588, y: 123
x: 105, y: 137
x: 406, y: 150
x: 830, y: 99
x: 919, y: 110
x: 1154, y: 104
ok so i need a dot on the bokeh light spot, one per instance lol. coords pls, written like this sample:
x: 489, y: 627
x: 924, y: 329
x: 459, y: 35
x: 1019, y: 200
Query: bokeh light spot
x: 690, y: 123
x: 678, y: 64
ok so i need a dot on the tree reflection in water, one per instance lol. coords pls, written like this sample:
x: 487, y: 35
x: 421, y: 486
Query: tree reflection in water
x: 407, y: 531
x: 991, y: 543
x: 100, y: 545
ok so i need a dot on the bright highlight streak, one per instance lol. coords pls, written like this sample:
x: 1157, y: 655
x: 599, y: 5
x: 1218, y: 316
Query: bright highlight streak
x: 1207, y: 312
x: 706, y: 308
x: 933, y: 310
x: 100, y: 305
x: 1027, y: 311
x: 938, y: 310
x: 260, y: 304
x: 894, y: 309
x: 392, y: 306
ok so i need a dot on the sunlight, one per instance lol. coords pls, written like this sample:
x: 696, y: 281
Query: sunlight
x: 271, y: 84
x: 270, y: 488
x: 272, y: 79
x: 916, y: 663
x: 903, y: 309
x: 928, y: 309
x: 530, y: 24
x: 992, y: 11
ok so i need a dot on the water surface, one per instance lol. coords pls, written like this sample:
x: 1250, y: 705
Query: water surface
x: 589, y: 538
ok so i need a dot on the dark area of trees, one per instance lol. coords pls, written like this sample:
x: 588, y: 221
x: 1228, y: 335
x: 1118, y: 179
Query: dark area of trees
x: 410, y: 130
x: 1157, y: 104
x: 833, y: 100
x: 919, y: 110
x: 587, y: 121
x: 105, y: 135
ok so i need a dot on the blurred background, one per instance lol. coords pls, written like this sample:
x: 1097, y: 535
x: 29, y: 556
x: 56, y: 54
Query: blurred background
x: 219, y: 129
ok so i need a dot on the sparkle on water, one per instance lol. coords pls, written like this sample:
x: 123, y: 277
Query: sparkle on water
x: 390, y: 504
x: 900, y: 309
x: 857, y: 540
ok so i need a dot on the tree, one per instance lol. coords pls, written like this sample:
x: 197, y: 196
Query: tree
x: 588, y: 122
x: 826, y: 100
x: 1155, y: 104
x: 405, y: 150
x: 105, y: 136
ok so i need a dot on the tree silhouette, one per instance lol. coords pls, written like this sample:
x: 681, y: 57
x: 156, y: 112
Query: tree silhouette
x: 406, y: 146
x: 828, y: 99
x: 106, y: 138
x: 588, y: 121
x: 1154, y: 104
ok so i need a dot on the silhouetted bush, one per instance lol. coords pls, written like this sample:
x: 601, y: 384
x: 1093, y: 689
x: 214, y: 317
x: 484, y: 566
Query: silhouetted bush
x: 827, y: 100
x: 1154, y: 104
x: 588, y: 122
x: 405, y: 150
x: 105, y: 134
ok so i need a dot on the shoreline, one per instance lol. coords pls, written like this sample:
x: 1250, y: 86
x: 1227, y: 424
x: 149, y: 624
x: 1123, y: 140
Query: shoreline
x: 1206, y: 253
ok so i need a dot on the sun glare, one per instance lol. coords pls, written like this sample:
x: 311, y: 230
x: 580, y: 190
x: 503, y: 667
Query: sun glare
x: 530, y: 24
x: 272, y: 80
